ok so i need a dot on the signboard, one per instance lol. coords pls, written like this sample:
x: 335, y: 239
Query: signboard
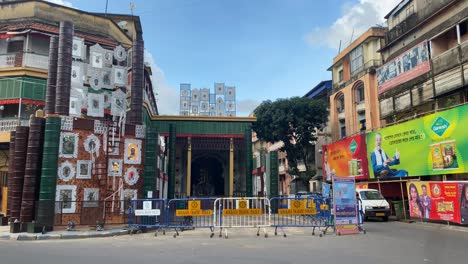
x: 194, y: 209
x: 344, y: 197
x: 432, y: 145
x: 407, y: 66
x: 299, y: 207
x: 242, y: 209
x: 435, y: 200
x: 346, y: 157
x: 147, y: 210
x: 326, y: 188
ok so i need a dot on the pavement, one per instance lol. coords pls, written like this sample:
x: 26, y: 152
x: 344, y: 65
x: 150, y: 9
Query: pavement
x: 384, y: 242
x: 79, y: 233
x: 86, y: 232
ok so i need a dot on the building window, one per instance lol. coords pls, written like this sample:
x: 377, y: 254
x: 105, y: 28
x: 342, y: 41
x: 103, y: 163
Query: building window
x: 357, y: 59
x: 340, y: 104
x: 15, y: 46
x: 340, y: 75
x: 362, y: 122
x: 359, y: 93
x: 342, y: 128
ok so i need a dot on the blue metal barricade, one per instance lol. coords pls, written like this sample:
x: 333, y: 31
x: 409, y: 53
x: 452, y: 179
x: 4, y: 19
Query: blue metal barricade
x: 190, y: 213
x: 147, y: 213
x: 301, y: 211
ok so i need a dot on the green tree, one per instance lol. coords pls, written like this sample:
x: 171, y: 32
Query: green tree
x: 294, y: 122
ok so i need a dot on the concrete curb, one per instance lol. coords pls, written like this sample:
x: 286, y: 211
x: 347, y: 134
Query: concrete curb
x: 48, y: 236
x: 71, y: 235
x: 439, y: 226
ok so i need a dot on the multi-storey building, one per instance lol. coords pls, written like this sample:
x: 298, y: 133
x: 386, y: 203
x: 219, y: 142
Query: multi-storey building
x: 353, y: 100
x: 425, y: 59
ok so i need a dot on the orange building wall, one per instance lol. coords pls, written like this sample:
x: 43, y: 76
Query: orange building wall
x: 371, y: 107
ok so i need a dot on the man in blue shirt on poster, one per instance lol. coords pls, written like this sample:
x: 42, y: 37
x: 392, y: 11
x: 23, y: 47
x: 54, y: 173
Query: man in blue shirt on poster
x: 381, y: 162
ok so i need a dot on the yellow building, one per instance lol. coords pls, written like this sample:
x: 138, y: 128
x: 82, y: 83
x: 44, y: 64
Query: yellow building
x: 354, y: 104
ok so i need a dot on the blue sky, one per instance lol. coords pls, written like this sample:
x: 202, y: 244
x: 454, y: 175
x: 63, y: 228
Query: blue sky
x: 268, y: 49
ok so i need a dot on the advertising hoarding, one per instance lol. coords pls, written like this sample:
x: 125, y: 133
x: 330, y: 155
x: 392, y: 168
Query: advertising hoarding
x: 346, y: 157
x: 409, y: 65
x: 436, y: 200
x: 344, y: 197
x: 432, y: 145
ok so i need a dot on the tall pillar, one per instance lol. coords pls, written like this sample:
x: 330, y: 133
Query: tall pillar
x: 52, y: 76
x: 189, y: 166
x: 172, y: 161
x: 248, y: 161
x: 48, y: 182
x: 64, y: 65
x: 151, y: 155
x: 231, y: 167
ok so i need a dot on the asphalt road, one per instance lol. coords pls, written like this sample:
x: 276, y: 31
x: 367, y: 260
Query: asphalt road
x: 391, y: 242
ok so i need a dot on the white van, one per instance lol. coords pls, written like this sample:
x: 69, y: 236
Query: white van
x: 373, y: 204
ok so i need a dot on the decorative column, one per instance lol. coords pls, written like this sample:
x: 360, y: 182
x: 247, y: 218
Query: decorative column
x: 248, y: 161
x: 52, y: 76
x: 189, y: 166
x: 64, y: 65
x: 151, y: 155
x: 231, y: 167
x: 172, y: 161
x: 49, y: 172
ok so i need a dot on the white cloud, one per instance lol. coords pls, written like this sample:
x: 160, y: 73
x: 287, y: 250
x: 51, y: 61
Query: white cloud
x: 167, y: 97
x: 246, y: 107
x: 61, y: 2
x: 358, y: 17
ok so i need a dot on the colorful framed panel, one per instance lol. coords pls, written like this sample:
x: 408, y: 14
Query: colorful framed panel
x: 115, y: 167
x: 83, y: 169
x: 131, y: 176
x: 68, y: 147
x: 65, y: 197
x: 91, y: 197
x: 132, y: 153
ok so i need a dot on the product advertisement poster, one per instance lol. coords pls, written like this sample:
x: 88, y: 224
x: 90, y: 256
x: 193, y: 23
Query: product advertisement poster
x: 344, y: 197
x: 432, y: 145
x: 345, y: 157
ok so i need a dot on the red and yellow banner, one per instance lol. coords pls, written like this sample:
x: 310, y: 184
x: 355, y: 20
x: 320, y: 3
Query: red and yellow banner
x: 435, y: 200
x: 346, y: 157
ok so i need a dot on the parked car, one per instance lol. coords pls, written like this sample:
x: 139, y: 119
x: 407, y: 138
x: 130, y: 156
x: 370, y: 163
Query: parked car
x: 373, y: 204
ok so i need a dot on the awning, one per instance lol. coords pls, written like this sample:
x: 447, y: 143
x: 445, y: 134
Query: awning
x: 23, y: 101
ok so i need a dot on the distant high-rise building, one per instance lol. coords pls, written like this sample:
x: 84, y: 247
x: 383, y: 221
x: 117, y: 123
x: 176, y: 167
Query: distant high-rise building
x: 200, y: 102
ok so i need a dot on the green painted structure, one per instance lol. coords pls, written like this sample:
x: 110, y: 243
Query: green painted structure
x: 23, y: 87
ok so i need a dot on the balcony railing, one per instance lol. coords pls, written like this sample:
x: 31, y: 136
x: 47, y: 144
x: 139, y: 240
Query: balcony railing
x: 9, y: 124
x: 414, y: 19
x: 24, y: 59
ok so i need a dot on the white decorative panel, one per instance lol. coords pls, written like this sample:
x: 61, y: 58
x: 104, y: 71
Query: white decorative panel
x: 78, y: 48
x: 230, y: 93
x: 67, y: 123
x: 95, y: 105
x: 99, y: 127
x: 195, y: 95
x: 118, y: 103
x: 140, y: 131
x: 219, y: 88
x: 120, y: 54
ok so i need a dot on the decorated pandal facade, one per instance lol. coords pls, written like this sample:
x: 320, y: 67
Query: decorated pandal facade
x: 84, y: 159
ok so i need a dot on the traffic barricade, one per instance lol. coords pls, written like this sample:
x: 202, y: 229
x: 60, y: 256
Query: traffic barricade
x: 245, y: 212
x: 360, y: 216
x: 304, y: 211
x: 190, y: 213
x: 147, y: 213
